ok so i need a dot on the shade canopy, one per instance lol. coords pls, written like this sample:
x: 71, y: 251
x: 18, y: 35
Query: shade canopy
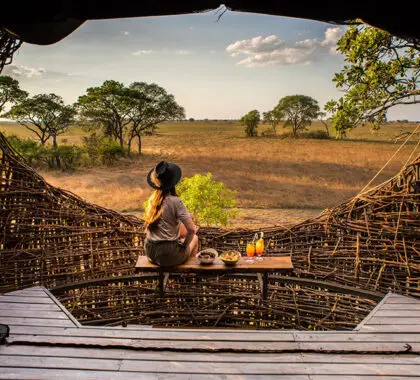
x: 46, y: 22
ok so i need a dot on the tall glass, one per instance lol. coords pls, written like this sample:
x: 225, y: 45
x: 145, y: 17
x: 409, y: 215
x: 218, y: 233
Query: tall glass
x: 250, y: 250
x: 259, y: 249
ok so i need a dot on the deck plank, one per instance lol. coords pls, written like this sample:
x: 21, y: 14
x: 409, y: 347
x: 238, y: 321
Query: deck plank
x: 41, y: 374
x: 41, y: 307
x: 24, y: 313
x: 109, y: 332
x: 230, y: 368
x: 24, y: 299
x: 174, y: 356
x: 36, y: 322
x: 45, y: 342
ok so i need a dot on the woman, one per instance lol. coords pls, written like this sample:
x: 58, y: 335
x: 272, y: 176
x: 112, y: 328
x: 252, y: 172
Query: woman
x: 171, y: 235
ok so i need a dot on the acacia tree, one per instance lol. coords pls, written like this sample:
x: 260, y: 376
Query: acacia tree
x: 44, y: 114
x: 251, y: 120
x: 151, y: 105
x: 109, y: 107
x: 298, y: 111
x: 382, y: 71
x: 10, y: 91
x: 273, y: 118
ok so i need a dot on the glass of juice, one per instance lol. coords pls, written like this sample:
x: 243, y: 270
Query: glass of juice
x: 250, y: 250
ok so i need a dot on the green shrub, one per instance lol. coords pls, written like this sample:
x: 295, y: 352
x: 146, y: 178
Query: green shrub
x: 101, y: 150
x: 63, y: 157
x: 209, y: 202
x: 110, y: 151
x: 27, y: 148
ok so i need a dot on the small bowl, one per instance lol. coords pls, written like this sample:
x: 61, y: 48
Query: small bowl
x: 207, y: 256
x: 230, y: 260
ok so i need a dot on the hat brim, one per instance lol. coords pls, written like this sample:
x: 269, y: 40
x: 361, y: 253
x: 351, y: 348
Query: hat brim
x: 176, y: 176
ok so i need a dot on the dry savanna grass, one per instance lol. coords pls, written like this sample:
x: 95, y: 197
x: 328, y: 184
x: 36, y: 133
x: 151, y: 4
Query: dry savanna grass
x: 279, y: 180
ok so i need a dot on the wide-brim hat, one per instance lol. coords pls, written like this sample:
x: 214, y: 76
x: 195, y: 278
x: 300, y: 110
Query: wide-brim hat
x: 166, y: 173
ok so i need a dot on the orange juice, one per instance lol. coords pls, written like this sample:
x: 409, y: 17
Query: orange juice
x: 250, y: 249
x: 259, y: 247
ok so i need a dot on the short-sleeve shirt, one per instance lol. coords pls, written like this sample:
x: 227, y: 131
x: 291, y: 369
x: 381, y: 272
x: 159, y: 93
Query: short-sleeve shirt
x: 173, y: 213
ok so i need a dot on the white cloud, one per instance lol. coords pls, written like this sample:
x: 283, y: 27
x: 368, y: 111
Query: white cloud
x: 332, y: 35
x: 162, y: 51
x: 183, y: 52
x: 271, y: 51
x: 125, y: 33
x: 24, y: 71
x: 141, y: 52
x: 255, y: 45
x: 192, y: 28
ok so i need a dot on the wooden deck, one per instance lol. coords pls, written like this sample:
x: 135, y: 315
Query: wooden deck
x: 46, y: 342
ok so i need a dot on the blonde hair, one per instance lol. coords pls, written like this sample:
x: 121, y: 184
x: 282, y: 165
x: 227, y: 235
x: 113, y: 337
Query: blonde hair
x: 154, y: 208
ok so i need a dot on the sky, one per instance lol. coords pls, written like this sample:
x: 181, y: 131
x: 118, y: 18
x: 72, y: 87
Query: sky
x: 217, y: 68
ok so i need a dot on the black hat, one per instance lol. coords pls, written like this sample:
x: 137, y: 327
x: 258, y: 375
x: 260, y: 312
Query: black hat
x: 166, y: 173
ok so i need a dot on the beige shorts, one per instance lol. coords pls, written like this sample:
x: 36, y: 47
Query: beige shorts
x: 166, y: 253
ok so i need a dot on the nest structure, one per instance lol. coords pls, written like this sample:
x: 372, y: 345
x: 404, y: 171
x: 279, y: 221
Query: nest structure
x: 345, y: 259
x: 8, y: 46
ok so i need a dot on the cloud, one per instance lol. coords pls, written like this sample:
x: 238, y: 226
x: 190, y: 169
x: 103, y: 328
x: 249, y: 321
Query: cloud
x: 17, y: 71
x: 255, y: 45
x: 163, y: 51
x: 125, y: 33
x: 183, y: 52
x: 271, y: 51
x: 191, y: 28
x: 141, y: 52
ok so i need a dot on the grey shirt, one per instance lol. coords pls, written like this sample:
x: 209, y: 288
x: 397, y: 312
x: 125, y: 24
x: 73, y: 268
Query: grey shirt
x: 173, y: 213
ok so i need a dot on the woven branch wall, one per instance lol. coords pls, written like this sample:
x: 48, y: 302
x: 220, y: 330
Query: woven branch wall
x: 51, y: 237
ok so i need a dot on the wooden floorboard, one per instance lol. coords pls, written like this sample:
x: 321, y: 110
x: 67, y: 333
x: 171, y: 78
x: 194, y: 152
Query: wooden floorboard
x: 163, y: 356
x: 41, y: 374
x: 46, y: 342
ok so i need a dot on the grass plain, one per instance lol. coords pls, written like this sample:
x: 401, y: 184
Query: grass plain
x: 278, y: 180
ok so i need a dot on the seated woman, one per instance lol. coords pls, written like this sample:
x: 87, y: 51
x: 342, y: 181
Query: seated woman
x: 171, y: 235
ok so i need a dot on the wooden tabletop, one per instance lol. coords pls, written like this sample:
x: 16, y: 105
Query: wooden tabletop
x: 268, y: 264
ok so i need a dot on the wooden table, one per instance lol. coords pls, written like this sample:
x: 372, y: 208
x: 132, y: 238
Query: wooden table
x: 261, y: 268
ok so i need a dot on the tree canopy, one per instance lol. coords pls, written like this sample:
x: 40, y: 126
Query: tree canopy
x: 151, y: 105
x: 250, y: 121
x: 44, y: 114
x: 298, y: 111
x: 10, y: 91
x: 273, y: 118
x: 107, y: 106
x: 381, y: 71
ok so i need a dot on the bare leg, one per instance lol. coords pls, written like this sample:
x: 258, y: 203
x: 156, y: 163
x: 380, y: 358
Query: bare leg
x: 193, y: 246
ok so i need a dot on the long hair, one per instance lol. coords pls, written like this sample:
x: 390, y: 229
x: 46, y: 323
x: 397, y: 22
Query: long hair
x: 154, y: 208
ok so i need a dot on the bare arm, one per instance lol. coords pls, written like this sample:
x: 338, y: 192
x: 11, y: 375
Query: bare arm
x: 190, y: 229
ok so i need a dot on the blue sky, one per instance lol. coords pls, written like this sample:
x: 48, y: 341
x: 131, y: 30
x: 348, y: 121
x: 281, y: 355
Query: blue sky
x: 215, y: 69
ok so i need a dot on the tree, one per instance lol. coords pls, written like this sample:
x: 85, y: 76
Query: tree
x: 109, y: 107
x: 299, y: 111
x: 44, y: 114
x: 10, y: 91
x: 150, y: 105
x: 251, y: 120
x: 209, y: 202
x: 324, y: 120
x: 273, y: 118
x: 382, y: 71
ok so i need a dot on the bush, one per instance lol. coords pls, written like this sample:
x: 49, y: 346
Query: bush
x: 64, y: 157
x: 27, y: 148
x: 110, y: 151
x: 101, y: 150
x: 209, y: 202
x: 317, y: 134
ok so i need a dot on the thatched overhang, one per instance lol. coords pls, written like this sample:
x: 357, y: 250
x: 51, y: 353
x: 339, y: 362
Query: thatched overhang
x: 46, y: 21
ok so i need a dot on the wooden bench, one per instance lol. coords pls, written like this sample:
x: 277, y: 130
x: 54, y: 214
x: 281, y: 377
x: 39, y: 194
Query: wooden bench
x: 261, y: 268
